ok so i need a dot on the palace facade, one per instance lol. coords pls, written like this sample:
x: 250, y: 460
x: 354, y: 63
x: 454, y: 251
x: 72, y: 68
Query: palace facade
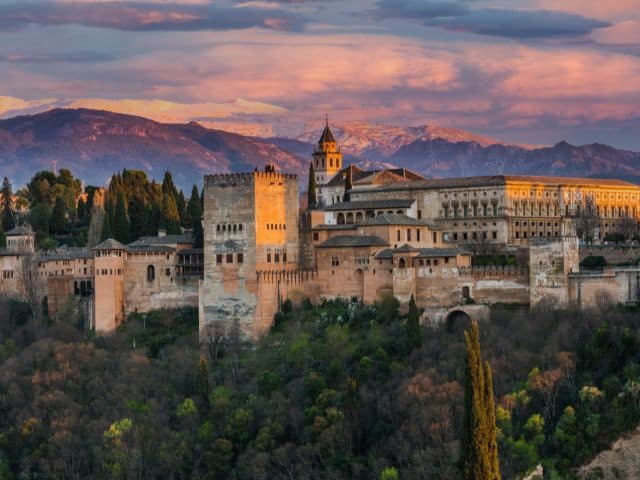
x: 366, y: 234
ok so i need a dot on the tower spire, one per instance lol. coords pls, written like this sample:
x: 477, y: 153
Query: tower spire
x: 326, y: 119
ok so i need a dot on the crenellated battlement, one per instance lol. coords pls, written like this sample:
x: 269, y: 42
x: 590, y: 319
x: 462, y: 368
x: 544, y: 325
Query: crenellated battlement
x: 495, y: 271
x: 291, y: 277
x: 245, y: 178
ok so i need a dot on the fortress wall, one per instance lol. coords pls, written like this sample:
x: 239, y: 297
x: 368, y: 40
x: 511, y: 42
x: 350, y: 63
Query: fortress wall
x: 613, y: 254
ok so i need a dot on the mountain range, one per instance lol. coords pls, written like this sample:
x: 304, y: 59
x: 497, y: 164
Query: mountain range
x: 96, y: 143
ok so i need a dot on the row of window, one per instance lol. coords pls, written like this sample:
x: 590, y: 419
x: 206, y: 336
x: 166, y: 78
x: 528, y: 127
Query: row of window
x: 485, y: 211
x: 474, y: 236
x: 533, y: 234
x: 335, y: 261
x: 108, y: 271
x: 276, y: 257
x: 7, y: 274
x: 276, y: 226
x: 235, y: 227
x: 229, y: 258
x: 151, y: 273
x: 475, y: 194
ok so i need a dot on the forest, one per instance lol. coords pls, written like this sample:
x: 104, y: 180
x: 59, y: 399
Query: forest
x: 340, y: 390
x: 62, y: 211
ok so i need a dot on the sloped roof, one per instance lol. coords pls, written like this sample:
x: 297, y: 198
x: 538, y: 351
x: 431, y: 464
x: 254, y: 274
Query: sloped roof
x: 354, y: 241
x: 422, y: 252
x: 501, y: 180
x: 360, y: 177
x: 165, y: 240
x: 371, y: 204
x: 110, y: 244
x: 21, y: 230
x: 327, y: 136
x: 396, y: 219
x: 66, y: 253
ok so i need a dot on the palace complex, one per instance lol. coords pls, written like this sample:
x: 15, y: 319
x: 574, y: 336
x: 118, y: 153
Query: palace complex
x: 364, y: 234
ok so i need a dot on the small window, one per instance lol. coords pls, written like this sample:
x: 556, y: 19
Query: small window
x: 167, y: 272
x: 284, y: 257
x: 419, y: 214
x: 151, y: 273
x: 239, y: 257
x: 217, y: 228
x: 219, y: 258
x: 229, y: 257
x: 398, y: 234
x: 335, y: 261
x: 276, y: 257
x: 240, y: 227
x: 408, y: 234
x: 269, y: 257
x: 315, y: 236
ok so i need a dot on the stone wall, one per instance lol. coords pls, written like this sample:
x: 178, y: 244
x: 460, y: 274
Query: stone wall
x: 613, y: 254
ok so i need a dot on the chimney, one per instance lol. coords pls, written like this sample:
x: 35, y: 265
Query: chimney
x: 162, y: 233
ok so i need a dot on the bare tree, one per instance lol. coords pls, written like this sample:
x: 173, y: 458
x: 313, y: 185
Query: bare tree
x: 587, y: 221
x: 627, y: 226
x: 32, y: 288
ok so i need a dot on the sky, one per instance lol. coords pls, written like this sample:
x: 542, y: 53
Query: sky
x: 524, y: 71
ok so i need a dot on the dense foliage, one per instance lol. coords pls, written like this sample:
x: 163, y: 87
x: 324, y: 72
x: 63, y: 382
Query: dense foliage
x: 337, y: 391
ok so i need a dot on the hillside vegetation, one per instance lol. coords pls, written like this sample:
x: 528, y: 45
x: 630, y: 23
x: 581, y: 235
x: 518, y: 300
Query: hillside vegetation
x: 335, y: 391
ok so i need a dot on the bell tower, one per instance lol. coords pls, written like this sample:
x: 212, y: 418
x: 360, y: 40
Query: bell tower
x: 327, y: 158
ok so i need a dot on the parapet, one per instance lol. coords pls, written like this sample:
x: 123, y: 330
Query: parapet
x: 245, y: 178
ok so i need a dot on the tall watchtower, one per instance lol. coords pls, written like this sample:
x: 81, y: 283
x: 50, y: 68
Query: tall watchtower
x: 250, y: 225
x: 327, y: 158
x: 109, y: 264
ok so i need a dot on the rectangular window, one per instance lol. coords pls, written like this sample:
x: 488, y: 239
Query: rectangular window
x: 284, y: 257
x: 398, y: 235
x: 239, y: 257
x: 315, y: 236
x: 276, y: 258
x: 219, y: 258
x: 335, y: 261
x: 494, y: 235
x: 419, y: 214
x: 229, y: 257
x: 464, y: 235
x: 167, y: 272
x: 435, y: 237
x: 408, y: 234
x: 455, y: 236
x: 418, y: 234
x: 268, y: 257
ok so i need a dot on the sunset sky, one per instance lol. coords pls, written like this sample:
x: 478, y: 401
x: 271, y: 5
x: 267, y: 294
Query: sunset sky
x: 534, y: 71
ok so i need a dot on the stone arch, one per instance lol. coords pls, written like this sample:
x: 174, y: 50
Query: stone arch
x: 341, y: 218
x: 359, y: 217
x: 457, y: 320
x: 350, y: 218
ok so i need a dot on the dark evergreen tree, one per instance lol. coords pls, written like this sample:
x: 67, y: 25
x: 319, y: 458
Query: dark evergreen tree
x: 81, y: 210
x: 181, y: 203
x: 168, y: 187
x: 414, y: 334
x: 8, y: 220
x: 312, y: 201
x: 121, y: 224
x: 203, y: 381
x: 194, y: 209
x: 478, y: 446
x: 169, y: 216
x: 107, y: 231
x: 59, y: 217
x: 348, y: 185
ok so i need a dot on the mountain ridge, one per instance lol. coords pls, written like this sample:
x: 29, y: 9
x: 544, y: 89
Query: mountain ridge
x: 96, y: 143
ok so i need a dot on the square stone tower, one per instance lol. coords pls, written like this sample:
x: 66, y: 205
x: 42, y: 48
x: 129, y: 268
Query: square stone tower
x: 250, y: 226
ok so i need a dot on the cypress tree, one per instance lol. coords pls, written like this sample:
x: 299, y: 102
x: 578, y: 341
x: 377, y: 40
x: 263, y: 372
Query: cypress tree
x: 121, y: 224
x: 81, y: 210
x: 107, y: 232
x: 414, y: 335
x: 181, y: 203
x: 169, y: 216
x: 59, y: 216
x: 479, y: 452
x: 348, y: 185
x: 312, y: 201
x: 492, y: 446
x: 8, y: 221
x: 168, y: 187
x: 194, y: 209
x: 203, y: 381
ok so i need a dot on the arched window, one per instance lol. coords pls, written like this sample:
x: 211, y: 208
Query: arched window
x: 151, y: 273
x: 341, y: 218
x: 401, y: 263
x: 350, y: 218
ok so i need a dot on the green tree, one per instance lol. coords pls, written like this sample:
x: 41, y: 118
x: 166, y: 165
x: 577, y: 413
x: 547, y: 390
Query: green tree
x: 8, y: 221
x: 414, y: 335
x: 203, y: 380
x: 107, y: 231
x: 59, y: 217
x: 169, y: 216
x: 478, y: 447
x: 389, y: 473
x: 194, y: 209
x: 168, y: 187
x: 121, y: 225
x: 81, y: 210
x: 181, y: 203
x: 312, y: 201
